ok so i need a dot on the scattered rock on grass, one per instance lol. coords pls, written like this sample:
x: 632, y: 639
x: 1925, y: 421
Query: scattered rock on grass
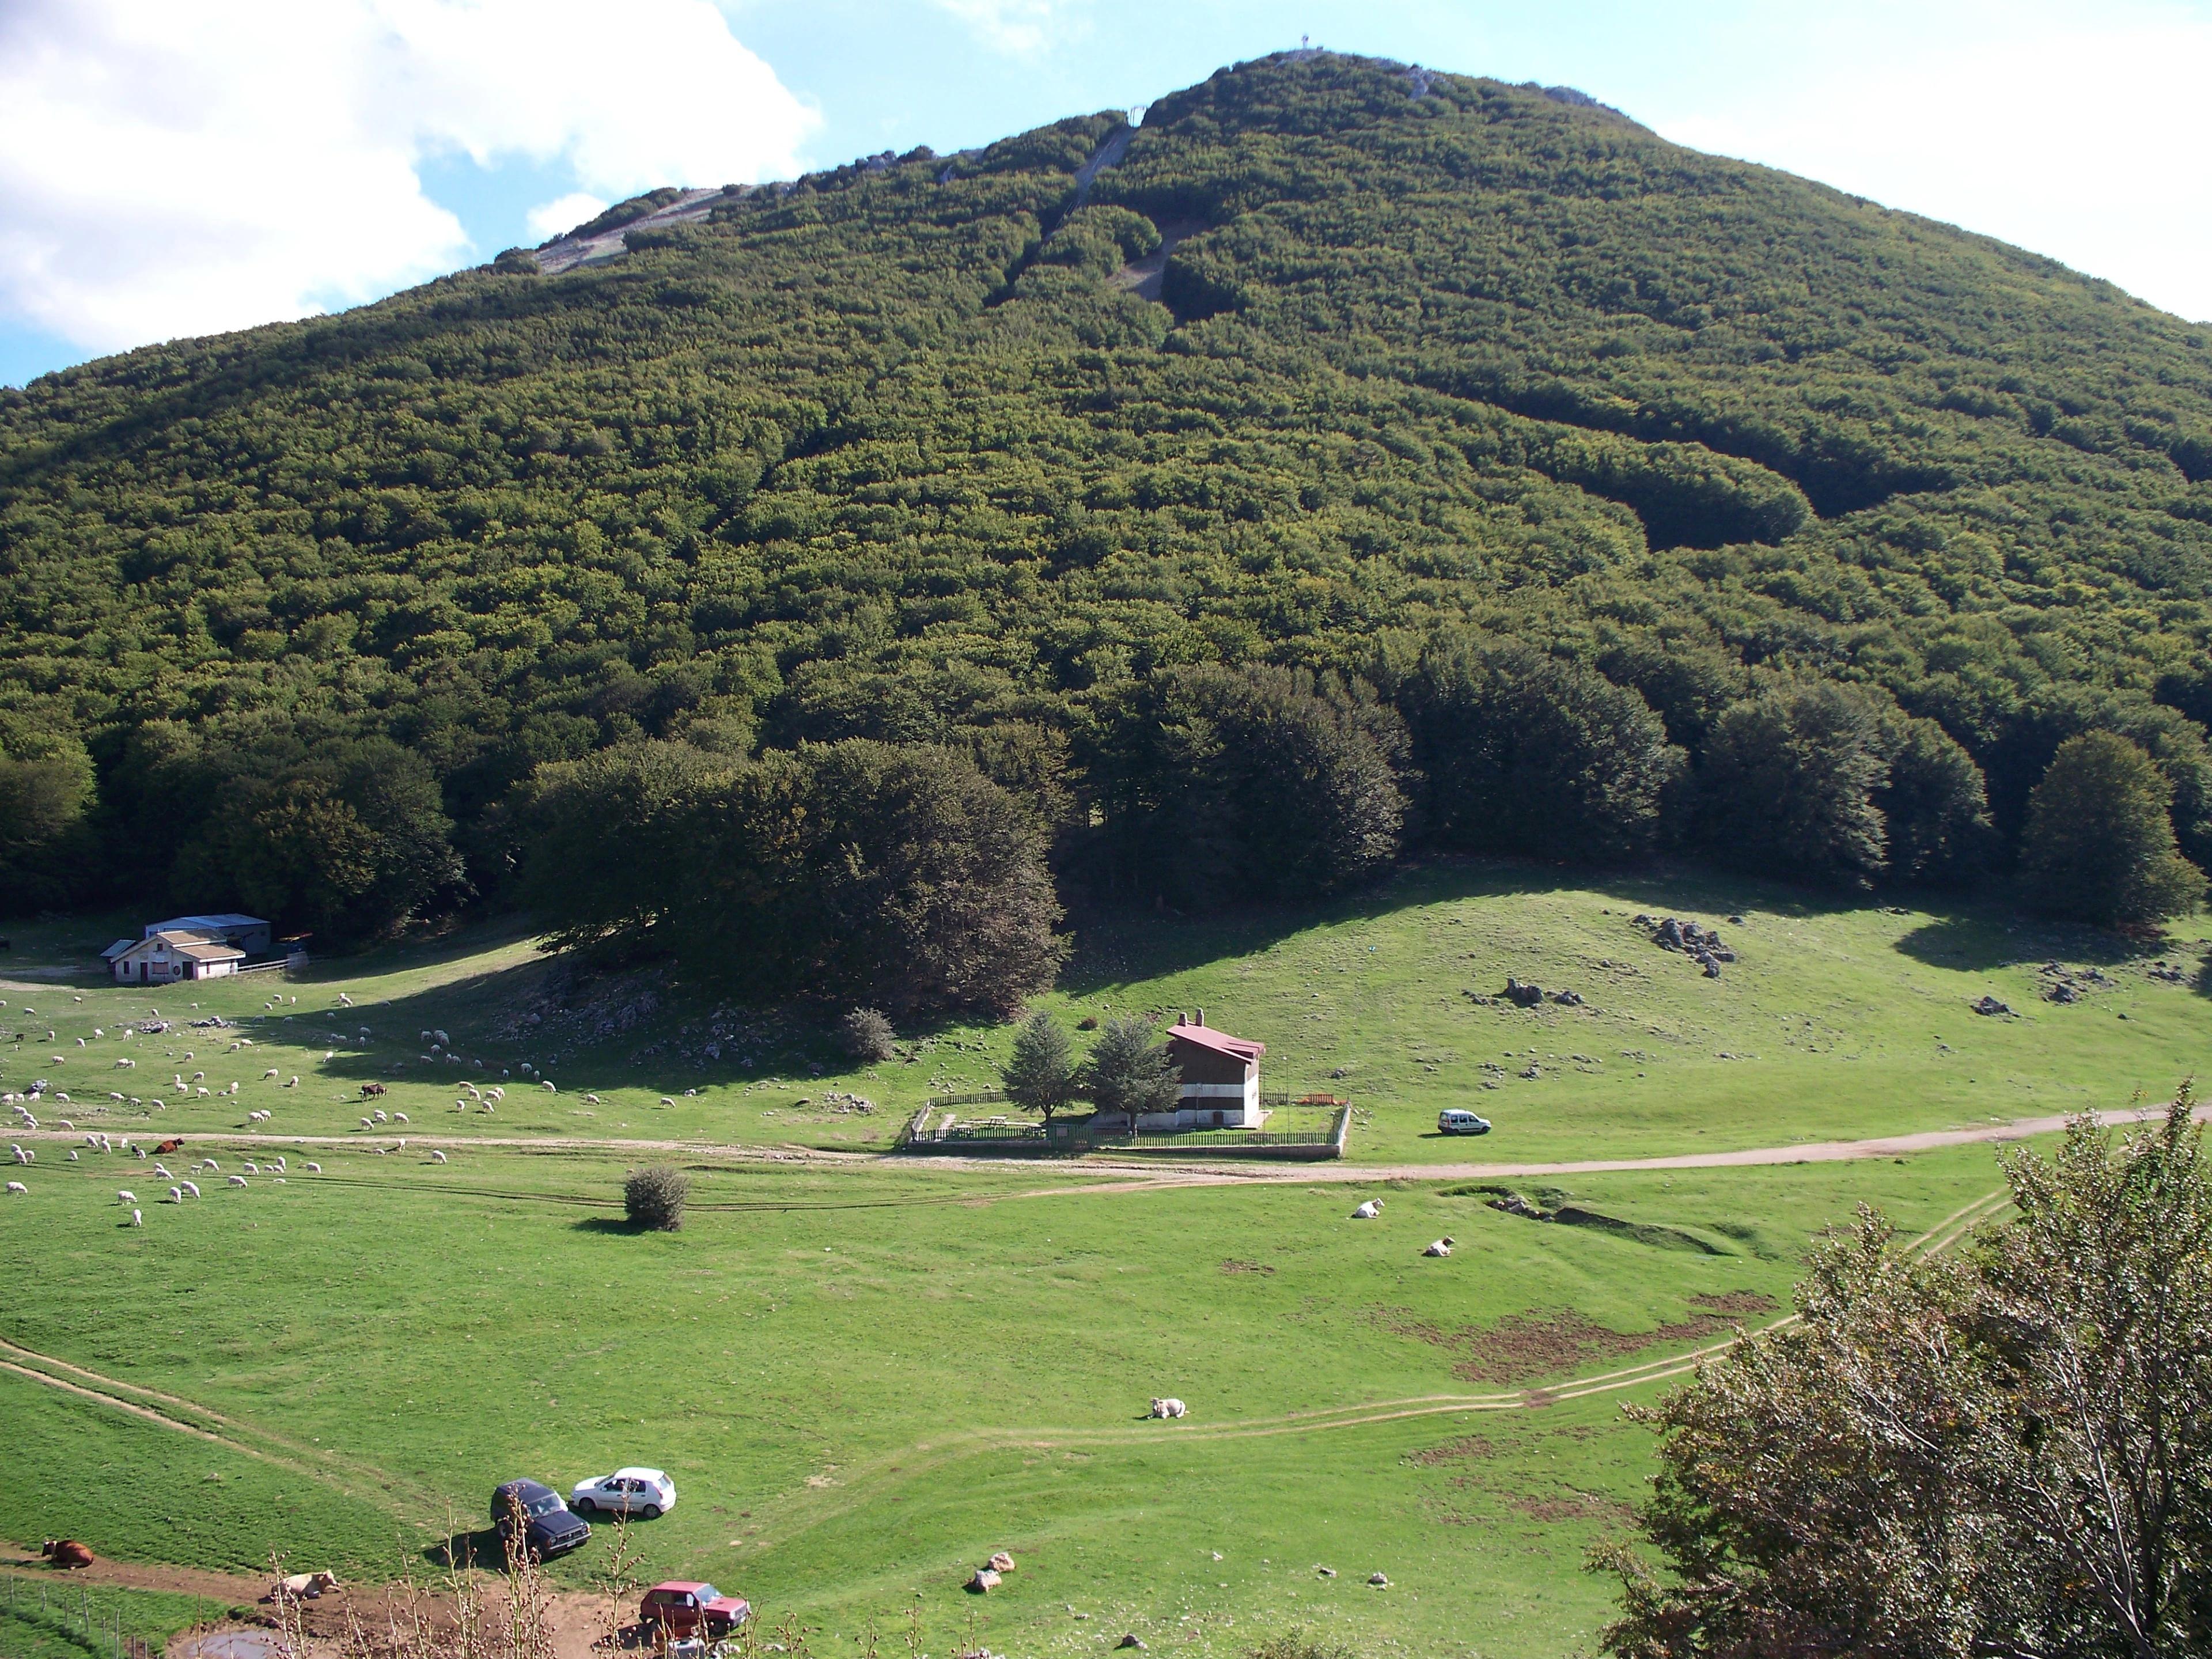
x: 1989, y: 1005
x: 1132, y: 1640
x: 984, y: 1582
x: 1379, y: 1580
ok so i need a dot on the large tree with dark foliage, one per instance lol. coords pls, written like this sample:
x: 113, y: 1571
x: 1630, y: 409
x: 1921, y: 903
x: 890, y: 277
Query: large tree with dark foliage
x: 1521, y: 752
x: 859, y: 871
x: 2007, y: 1452
x: 1222, y: 784
x: 2100, y: 843
x: 1789, y: 783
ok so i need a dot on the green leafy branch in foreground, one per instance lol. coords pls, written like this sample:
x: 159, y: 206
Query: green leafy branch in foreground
x: 2006, y: 1453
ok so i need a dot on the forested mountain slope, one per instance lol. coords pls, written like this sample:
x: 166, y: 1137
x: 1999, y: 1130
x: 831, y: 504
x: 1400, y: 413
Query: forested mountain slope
x: 903, y: 453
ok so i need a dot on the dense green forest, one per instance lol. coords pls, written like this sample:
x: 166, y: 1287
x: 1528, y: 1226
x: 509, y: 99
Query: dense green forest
x: 1488, y: 474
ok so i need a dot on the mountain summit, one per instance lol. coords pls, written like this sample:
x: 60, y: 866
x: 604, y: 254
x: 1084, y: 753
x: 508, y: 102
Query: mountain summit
x: 1326, y: 357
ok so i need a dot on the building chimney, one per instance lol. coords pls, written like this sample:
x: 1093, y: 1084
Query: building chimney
x: 1201, y: 1017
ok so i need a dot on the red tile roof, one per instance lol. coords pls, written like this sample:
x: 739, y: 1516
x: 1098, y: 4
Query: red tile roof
x: 1221, y: 1042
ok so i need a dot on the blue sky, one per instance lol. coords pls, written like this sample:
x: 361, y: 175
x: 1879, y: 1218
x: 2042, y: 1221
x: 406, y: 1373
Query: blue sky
x: 177, y: 166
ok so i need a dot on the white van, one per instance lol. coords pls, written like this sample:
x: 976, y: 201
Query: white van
x: 1454, y: 1122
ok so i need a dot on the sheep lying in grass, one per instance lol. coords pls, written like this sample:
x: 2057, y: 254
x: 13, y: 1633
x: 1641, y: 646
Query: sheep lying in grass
x: 1169, y: 1408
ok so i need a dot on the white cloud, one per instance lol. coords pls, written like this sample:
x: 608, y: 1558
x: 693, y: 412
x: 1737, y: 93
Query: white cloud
x: 169, y: 169
x: 1019, y: 28
x: 2081, y: 139
x: 564, y: 213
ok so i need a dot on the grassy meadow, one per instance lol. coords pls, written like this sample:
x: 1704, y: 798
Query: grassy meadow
x: 866, y: 1375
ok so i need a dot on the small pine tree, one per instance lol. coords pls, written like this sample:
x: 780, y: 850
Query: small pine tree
x: 1040, y: 1074
x: 1129, y: 1074
x: 2099, y: 844
x: 653, y: 1198
x: 867, y: 1035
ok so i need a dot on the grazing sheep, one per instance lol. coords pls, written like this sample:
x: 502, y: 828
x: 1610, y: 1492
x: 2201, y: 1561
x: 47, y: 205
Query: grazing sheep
x: 192, y: 1187
x: 162, y: 1171
x: 400, y: 1117
x: 591, y: 1100
x: 292, y: 1081
x: 1369, y: 1210
x: 61, y: 1097
x: 137, y: 1220
x: 1169, y: 1408
x: 313, y: 1169
x: 176, y: 1195
x: 199, y: 1076
x: 126, y: 1197
x: 437, y: 1157
x: 368, y: 1123
x: 209, y: 1164
x: 271, y: 1072
x: 17, y: 1187
x: 443, y: 1039
x: 549, y: 1088
x: 666, y: 1100
x: 125, y: 1064
x: 1439, y: 1247
x: 251, y: 1168
x: 238, y: 1180
x: 379, y: 1115
x: 18, y: 1154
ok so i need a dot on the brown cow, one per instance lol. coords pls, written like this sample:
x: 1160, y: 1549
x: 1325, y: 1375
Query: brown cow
x: 66, y: 1552
x: 174, y: 1143
x: 371, y: 1090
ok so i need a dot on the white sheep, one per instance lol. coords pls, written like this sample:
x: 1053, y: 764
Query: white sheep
x: 443, y: 1038
x: 1169, y: 1408
x: 591, y: 1100
x: 125, y: 1197
x: 666, y: 1100
x: 437, y: 1157
x: 379, y: 1115
x: 549, y: 1088
x: 176, y: 1195
x: 271, y: 1071
x: 199, y: 1076
x: 238, y: 1180
x: 313, y: 1169
x: 292, y: 1081
x: 192, y: 1187
x: 251, y: 1168
x: 125, y: 1064
x: 72, y: 1154
x: 210, y: 1166
x: 17, y: 1187
x: 19, y: 1154
x: 162, y: 1171
x: 400, y: 1117
x: 136, y: 1219
x: 61, y: 1097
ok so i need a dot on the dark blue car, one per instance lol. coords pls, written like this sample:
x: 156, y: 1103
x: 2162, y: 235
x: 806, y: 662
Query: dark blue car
x: 549, y: 1527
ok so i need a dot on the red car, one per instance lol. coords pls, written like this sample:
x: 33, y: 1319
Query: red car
x: 682, y: 1608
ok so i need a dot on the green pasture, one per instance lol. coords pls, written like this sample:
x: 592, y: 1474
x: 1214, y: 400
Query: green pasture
x: 865, y: 1380
x: 42, y: 1618
x: 1840, y: 1019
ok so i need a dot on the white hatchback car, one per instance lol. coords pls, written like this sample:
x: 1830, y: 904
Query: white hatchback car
x: 648, y: 1493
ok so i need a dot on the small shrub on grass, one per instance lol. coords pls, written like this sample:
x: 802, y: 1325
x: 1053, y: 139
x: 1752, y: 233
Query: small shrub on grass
x: 866, y: 1034
x: 1299, y: 1644
x: 653, y: 1198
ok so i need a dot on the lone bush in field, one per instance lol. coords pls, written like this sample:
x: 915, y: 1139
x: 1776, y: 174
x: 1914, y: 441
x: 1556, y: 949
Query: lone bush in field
x: 866, y: 1034
x: 653, y: 1198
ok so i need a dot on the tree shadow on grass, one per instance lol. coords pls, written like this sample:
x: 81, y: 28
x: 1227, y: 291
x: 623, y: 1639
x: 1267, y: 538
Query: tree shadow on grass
x: 461, y: 1550
x: 610, y: 1223
x: 1122, y: 947
x: 1975, y: 941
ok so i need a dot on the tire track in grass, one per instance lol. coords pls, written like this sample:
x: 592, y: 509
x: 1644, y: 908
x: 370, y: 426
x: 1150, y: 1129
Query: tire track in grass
x: 818, y: 1506
x: 176, y: 1413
